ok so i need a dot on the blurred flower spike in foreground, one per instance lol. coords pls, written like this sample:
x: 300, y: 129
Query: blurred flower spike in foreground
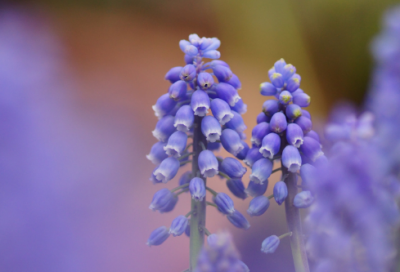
x: 201, y: 110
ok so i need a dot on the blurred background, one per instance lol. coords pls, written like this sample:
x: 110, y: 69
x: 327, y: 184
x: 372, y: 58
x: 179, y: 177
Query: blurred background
x: 77, y: 82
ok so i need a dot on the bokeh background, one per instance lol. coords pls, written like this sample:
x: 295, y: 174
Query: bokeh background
x: 77, y: 82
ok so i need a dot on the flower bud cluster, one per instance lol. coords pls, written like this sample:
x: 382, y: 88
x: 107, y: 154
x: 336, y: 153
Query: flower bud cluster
x: 206, y: 92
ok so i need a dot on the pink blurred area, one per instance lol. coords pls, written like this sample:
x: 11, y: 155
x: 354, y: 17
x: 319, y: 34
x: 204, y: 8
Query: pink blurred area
x: 76, y: 93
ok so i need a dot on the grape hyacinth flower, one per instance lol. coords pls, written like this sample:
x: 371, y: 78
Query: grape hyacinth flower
x: 188, y: 134
x: 282, y: 134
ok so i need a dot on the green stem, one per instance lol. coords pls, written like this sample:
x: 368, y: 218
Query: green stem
x: 284, y: 235
x: 276, y: 170
x: 211, y: 204
x: 271, y: 196
x: 198, y: 216
x: 224, y: 175
x: 211, y: 191
x: 180, y: 187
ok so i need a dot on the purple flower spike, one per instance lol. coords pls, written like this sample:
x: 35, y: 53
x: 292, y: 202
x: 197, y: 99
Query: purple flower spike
x: 177, y: 91
x: 294, y: 135
x: 279, y: 66
x: 173, y: 74
x: 305, y: 113
x: 303, y: 199
x: 267, y: 89
x: 224, y: 203
x: 252, y: 156
x: 158, y: 236
x: 243, y: 153
x: 208, y: 164
x: 302, y: 99
x: 176, y: 144
x: 231, y: 141
x: 280, y: 192
x: 308, y: 175
x: 236, y: 123
x: 259, y: 132
x: 305, y: 124
x: 184, y: 118
x: 188, y: 73
x: 157, y: 153
x: 313, y: 135
x: 162, y: 199
x: 291, y: 158
x: 293, y: 83
x: 205, y: 80
x: 258, y: 206
x: 211, y: 128
x: 277, y: 80
x: 270, y: 244
x: 191, y: 50
x: 221, y: 111
x: 167, y: 170
x: 233, y: 168
x: 256, y: 189
x: 178, y: 225
x: 311, y: 148
x: 261, y: 117
x: 240, y: 107
x: 235, y: 82
x: 293, y: 111
x: 197, y: 189
x: 164, y: 128
x: 222, y: 73
x: 163, y: 105
x: 227, y: 93
x: 200, y: 103
x: 261, y: 170
x: 236, y: 187
x: 270, y: 145
x: 285, y: 97
x: 270, y: 107
x: 213, y: 146
x: 238, y: 220
x: 278, y: 122
x: 288, y: 71
x: 212, y: 54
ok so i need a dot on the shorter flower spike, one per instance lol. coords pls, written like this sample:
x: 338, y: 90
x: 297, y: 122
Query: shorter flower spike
x: 278, y: 122
x: 178, y: 225
x: 164, y: 128
x: 163, y: 105
x: 238, y: 220
x: 185, y: 178
x: 261, y: 170
x: 243, y: 153
x: 208, y: 164
x: 270, y: 107
x: 305, y: 124
x: 205, y: 80
x: 293, y: 111
x: 270, y: 145
x: 277, y: 80
x: 252, y: 156
x: 258, y: 206
x: 294, y: 135
x: 158, y: 236
x: 293, y: 83
x: 197, y: 189
x: 177, y: 91
x: 311, y: 149
x: 288, y: 71
x: 176, y: 144
x: 267, y: 89
x: 211, y: 128
x: 256, y: 189
x: 184, y: 118
x: 173, y: 74
x: 280, y: 192
x: 261, y: 117
x: 188, y: 73
x: 303, y: 199
x: 224, y: 203
x: 221, y: 110
x: 233, y: 168
x: 162, y: 199
x: 235, y: 82
x: 236, y: 187
x: 302, y: 99
x: 167, y: 170
x: 236, y: 123
x: 227, y: 93
x: 305, y: 113
x: 231, y: 141
x: 200, y: 103
x: 279, y: 65
x: 157, y: 153
x: 285, y: 97
x: 259, y: 132
x: 212, y: 54
x: 291, y: 158
x: 270, y: 244
x: 222, y: 73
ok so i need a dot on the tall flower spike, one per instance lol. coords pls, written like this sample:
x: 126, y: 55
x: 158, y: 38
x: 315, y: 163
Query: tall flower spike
x: 188, y: 134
